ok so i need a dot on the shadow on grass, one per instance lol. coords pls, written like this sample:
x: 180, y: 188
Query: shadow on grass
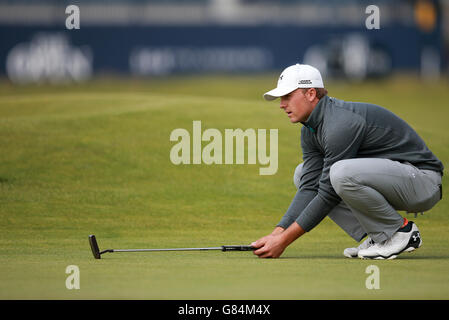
x: 404, y: 256
x: 329, y: 257
x: 4, y: 180
x: 421, y: 257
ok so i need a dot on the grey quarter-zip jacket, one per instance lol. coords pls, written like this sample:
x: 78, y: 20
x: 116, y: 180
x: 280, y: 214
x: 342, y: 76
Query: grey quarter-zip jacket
x: 338, y: 130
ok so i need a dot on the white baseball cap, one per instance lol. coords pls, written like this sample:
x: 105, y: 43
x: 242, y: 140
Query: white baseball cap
x: 294, y: 77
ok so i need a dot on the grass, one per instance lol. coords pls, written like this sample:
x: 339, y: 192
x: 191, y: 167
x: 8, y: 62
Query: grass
x: 93, y: 158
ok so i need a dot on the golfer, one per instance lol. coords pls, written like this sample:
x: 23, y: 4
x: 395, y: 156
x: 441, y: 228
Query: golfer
x: 361, y: 163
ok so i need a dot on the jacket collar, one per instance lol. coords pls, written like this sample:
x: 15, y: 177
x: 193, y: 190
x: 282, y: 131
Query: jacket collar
x: 317, y: 114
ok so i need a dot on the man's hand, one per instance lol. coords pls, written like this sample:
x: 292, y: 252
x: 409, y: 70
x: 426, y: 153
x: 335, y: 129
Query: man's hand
x: 273, y: 245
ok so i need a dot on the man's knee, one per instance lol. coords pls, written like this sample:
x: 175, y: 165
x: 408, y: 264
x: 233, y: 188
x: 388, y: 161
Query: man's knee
x: 340, y: 176
x: 297, y: 175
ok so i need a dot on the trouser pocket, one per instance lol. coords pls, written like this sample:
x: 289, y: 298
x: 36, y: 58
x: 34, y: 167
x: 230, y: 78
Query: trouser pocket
x: 430, y: 191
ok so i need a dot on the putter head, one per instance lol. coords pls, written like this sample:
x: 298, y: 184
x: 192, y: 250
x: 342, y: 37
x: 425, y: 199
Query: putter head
x: 94, y: 246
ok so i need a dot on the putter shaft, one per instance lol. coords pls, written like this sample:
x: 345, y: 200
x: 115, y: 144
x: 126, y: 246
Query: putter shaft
x: 97, y: 253
x: 170, y: 249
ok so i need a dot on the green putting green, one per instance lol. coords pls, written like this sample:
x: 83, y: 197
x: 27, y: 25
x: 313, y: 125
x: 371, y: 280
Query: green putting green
x: 94, y: 158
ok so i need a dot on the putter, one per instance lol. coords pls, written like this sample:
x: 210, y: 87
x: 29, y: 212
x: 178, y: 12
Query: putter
x: 97, y: 253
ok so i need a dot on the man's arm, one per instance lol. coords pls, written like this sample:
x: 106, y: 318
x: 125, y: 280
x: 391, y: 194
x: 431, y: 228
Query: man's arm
x: 310, y: 175
x: 277, y: 230
x: 342, y: 139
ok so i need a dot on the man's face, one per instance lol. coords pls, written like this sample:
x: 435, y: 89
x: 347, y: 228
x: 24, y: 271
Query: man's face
x: 298, y: 105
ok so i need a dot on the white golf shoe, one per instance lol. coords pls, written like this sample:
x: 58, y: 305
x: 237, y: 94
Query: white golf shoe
x: 353, y: 252
x: 406, y: 239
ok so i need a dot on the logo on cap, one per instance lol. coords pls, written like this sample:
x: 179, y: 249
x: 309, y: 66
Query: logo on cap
x: 305, y: 82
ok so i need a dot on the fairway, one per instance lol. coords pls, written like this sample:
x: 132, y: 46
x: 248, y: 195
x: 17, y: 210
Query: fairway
x: 94, y: 158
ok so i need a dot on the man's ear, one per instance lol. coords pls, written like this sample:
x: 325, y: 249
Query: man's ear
x: 311, y: 94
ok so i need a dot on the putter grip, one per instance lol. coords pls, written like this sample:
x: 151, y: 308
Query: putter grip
x: 237, y: 248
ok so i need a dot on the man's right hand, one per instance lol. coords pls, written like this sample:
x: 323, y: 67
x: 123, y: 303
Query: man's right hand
x: 258, y: 243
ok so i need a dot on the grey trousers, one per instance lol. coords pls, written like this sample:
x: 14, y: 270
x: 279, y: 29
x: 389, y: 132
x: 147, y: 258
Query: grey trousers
x: 373, y: 189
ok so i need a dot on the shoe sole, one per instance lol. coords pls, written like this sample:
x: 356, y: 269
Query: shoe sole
x: 411, y: 246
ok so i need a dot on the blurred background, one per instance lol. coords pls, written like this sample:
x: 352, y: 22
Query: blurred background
x: 154, y: 38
